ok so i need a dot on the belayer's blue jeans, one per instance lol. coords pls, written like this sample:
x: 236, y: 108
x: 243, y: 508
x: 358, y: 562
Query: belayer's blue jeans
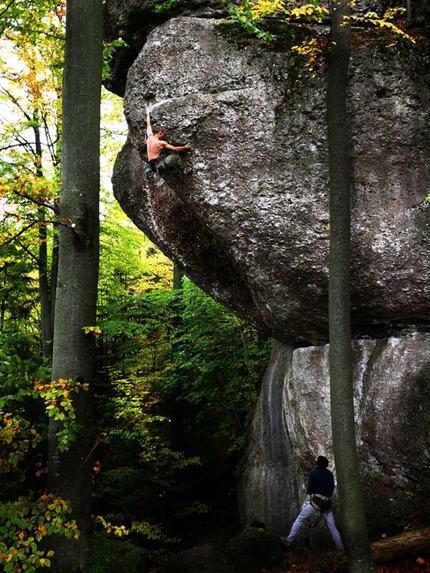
x: 306, y: 512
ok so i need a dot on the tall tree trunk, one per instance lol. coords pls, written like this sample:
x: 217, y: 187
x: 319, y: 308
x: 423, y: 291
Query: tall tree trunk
x: 44, y: 292
x: 177, y: 278
x: 47, y: 286
x: 54, y: 277
x: 355, y: 537
x: 73, y: 351
x: 42, y: 259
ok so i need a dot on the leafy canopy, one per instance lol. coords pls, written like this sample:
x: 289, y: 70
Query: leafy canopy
x: 27, y: 17
x: 250, y: 11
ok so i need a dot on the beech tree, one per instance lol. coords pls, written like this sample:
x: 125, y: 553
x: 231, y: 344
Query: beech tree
x: 75, y: 311
x: 354, y: 527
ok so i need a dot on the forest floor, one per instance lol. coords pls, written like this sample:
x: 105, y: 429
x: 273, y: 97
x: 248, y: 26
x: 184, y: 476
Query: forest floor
x: 419, y: 562
x: 410, y: 565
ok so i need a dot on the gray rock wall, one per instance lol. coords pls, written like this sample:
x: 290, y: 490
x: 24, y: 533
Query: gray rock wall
x: 392, y: 405
x: 133, y: 20
x: 251, y: 226
x: 271, y: 481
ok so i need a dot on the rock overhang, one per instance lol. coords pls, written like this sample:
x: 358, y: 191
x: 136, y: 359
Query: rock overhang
x: 251, y: 225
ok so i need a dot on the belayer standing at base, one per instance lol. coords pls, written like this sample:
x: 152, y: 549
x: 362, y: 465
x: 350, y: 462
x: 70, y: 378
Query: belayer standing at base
x: 320, y: 489
x: 156, y: 145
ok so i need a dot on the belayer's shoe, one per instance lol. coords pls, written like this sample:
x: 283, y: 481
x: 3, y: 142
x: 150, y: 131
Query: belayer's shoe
x: 285, y: 541
x: 187, y: 171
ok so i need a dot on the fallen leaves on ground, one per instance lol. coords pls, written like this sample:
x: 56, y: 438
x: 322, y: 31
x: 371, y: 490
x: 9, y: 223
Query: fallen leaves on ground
x: 411, y: 565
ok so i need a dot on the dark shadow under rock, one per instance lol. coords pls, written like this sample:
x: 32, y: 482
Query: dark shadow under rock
x: 253, y: 549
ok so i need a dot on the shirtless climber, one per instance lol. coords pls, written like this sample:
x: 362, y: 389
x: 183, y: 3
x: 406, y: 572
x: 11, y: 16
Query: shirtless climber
x: 156, y: 145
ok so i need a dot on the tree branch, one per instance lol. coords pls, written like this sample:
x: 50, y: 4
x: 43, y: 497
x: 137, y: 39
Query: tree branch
x: 7, y: 8
x: 16, y: 102
x: 37, y: 201
x: 69, y: 225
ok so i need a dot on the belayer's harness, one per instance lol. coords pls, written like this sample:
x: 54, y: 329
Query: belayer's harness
x: 152, y: 167
x: 320, y: 502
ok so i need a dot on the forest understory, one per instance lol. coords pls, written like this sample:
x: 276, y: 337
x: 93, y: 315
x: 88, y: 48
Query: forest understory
x: 413, y: 545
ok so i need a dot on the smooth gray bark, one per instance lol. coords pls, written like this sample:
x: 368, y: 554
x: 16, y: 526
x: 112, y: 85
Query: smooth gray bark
x: 354, y: 529
x: 177, y: 278
x: 73, y: 351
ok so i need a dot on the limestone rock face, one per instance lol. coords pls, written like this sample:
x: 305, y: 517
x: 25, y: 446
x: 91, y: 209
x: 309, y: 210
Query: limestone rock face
x: 133, y: 20
x: 251, y: 225
x: 272, y: 477
x: 392, y: 405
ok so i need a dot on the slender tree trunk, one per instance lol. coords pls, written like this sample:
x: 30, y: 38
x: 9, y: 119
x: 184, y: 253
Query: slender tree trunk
x: 54, y: 277
x: 42, y: 260
x: 408, y: 12
x: 73, y: 351
x: 47, y: 287
x: 44, y: 293
x: 355, y: 537
x: 177, y: 278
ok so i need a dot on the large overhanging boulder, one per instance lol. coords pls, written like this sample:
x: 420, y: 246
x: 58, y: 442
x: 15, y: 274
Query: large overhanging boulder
x: 133, y: 20
x: 251, y: 225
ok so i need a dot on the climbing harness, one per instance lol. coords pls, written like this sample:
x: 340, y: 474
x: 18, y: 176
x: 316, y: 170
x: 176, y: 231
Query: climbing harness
x: 320, y: 502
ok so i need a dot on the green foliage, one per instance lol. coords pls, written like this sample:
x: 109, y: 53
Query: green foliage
x: 217, y: 364
x: 249, y: 14
x: 167, y: 5
x: 16, y: 438
x: 113, y: 134
x: 59, y: 406
x: 109, y: 528
x: 387, y: 21
x: 108, y: 53
x: 164, y: 426
x: 20, y: 364
x: 109, y: 555
x: 257, y: 18
x: 152, y: 532
x: 18, y: 287
x: 130, y: 264
x: 180, y: 380
x: 21, y: 427
x: 28, y: 16
x: 24, y: 524
x: 244, y: 16
x: 25, y: 519
x: 30, y: 128
x: 188, y: 346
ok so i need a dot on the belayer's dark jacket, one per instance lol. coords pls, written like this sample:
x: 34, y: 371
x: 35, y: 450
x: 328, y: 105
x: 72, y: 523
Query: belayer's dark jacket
x: 321, y: 481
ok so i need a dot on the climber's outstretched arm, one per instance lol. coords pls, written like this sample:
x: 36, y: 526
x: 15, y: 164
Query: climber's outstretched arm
x: 148, y: 123
x: 175, y: 148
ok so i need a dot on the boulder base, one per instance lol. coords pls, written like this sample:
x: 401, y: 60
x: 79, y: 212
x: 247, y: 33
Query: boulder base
x: 392, y: 405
